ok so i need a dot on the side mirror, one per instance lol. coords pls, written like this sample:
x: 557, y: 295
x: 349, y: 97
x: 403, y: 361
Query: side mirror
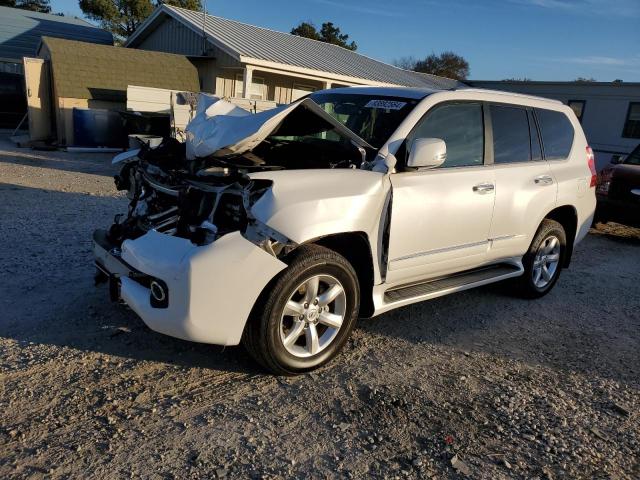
x: 427, y: 153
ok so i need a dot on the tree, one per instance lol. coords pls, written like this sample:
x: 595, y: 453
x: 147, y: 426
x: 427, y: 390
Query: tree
x: 328, y: 33
x: 331, y: 34
x: 406, y: 63
x: 122, y: 17
x: 584, y: 80
x: 447, y: 64
x: 41, y: 6
x: 306, y: 30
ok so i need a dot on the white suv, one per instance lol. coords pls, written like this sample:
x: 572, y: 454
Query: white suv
x: 280, y: 229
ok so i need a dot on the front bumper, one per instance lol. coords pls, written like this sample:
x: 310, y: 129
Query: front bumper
x: 211, y: 289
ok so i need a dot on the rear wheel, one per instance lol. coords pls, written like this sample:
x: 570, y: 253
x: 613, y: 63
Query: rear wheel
x: 306, y: 315
x: 543, y: 261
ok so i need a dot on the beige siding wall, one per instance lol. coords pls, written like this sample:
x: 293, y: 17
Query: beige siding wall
x: 277, y: 88
x: 218, y: 74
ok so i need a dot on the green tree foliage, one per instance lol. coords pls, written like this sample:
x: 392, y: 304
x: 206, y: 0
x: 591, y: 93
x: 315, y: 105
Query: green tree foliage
x: 32, y: 5
x: 306, y: 30
x: 447, y: 64
x: 122, y: 17
x: 328, y: 33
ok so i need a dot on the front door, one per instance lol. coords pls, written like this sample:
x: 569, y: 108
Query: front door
x: 441, y: 217
x: 38, y: 88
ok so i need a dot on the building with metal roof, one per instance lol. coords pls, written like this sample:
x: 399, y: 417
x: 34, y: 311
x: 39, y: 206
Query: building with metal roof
x: 70, y: 79
x: 245, y: 61
x: 22, y: 30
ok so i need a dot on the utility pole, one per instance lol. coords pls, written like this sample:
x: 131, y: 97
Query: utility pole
x: 204, y: 24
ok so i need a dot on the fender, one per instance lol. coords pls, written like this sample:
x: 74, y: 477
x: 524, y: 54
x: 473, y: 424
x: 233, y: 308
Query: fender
x: 304, y: 205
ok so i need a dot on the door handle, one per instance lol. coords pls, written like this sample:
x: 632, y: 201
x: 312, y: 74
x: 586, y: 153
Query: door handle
x: 483, y: 188
x: 543, y: 180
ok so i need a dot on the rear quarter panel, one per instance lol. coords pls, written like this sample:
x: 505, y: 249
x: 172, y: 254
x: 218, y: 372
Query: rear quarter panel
x: 573, y: 178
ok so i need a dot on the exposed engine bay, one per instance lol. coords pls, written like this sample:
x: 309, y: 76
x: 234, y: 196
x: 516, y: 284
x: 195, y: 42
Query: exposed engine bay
x: 174, y: 191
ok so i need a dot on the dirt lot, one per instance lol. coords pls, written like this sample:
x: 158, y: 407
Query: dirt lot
x: 478, y: 384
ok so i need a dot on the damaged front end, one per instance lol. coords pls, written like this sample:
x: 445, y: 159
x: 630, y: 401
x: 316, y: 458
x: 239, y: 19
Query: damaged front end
x: 189, y: 256
x: 195, y: 200
x: 203, y: 189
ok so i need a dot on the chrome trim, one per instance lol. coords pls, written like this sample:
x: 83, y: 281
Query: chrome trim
x: 502, y: 237
x: 483, y: 188
x: 160, y: 187
x: 440, y: 250
x: 543, y: 180
x: 162, y: 214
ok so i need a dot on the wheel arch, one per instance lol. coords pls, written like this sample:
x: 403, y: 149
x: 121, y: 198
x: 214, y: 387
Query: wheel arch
x: 567, y: 216
x: 355, y: 247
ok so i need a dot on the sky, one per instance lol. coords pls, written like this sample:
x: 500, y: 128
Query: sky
x: 533, y: 39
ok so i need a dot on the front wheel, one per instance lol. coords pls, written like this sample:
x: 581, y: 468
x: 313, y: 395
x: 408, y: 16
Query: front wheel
x: 307, y: 313
x: 543, y: 261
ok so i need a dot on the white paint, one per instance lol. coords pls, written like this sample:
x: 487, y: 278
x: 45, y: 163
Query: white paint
x: 220, y: 128
x: 211, y: 289
x: 439, y: 224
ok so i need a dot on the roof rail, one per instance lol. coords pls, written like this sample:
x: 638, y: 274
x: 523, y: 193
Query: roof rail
x: 508, y: 93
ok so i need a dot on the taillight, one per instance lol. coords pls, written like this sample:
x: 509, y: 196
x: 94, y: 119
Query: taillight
x: 591, y: 161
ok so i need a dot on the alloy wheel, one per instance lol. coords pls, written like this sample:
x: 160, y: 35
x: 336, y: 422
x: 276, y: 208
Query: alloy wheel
x: 546, y: 262
x: 313, y: 316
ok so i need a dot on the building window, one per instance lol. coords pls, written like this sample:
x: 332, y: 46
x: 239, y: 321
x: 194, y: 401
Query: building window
x: 578, y: 107
x: 257, y: 90
x: 10, y: 67
x: 632, y: 123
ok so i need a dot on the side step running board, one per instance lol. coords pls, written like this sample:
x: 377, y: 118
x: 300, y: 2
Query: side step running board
x: 454, y: 283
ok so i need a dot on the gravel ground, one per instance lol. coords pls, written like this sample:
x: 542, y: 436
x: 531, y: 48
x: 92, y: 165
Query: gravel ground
x: 477, y: 384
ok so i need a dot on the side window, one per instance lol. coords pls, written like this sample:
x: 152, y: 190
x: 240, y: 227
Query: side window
x: 536, y: 150
x: 511, y: 141
x: 461, y: 126
x: 557, y: 134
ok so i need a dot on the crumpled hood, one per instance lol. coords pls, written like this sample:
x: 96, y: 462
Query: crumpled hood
x: 222, y: 129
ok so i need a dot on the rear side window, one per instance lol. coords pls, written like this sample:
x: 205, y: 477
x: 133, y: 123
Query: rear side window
x: 511, y: 142
x: 557, y: 134
x: 461, y: 126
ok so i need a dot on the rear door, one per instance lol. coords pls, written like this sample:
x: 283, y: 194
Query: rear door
x: 38, y: 89
x: 526, y: 189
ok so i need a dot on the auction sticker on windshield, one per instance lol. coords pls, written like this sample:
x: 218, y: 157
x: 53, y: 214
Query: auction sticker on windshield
x: 385, y: 104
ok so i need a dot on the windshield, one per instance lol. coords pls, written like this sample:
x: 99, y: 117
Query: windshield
x: 633, y: 158
x: 373, y: 118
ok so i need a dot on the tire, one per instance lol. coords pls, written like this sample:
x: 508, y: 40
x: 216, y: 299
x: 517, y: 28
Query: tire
x: 280, y: 313
x: 535, y: 283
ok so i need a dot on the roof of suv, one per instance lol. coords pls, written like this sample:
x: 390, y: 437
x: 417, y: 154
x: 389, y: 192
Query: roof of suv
x: 420, y: 93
